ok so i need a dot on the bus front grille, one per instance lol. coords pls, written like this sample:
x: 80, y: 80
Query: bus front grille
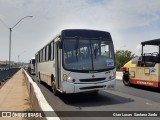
x: 91, y: 79
x: 92, y: 87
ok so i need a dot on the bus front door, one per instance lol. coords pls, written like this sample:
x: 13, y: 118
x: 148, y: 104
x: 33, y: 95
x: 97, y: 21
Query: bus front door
x: 58, y: 65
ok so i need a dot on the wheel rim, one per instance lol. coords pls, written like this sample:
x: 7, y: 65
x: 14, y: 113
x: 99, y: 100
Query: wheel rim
x: 126, y: 82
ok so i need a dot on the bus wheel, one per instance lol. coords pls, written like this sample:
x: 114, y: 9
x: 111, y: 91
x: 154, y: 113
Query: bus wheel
x: 126, y: 80
x: 54, y: 89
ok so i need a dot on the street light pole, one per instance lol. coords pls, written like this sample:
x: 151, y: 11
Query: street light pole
x: 10, y: 39
x: 10, y: 33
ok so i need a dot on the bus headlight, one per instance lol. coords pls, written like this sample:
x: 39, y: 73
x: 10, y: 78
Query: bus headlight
x: 69, y: 78
x: 64, y: 76
x: 113, y: 76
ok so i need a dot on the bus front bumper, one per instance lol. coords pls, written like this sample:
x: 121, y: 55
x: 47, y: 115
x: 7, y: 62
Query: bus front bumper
x: 69, y: 87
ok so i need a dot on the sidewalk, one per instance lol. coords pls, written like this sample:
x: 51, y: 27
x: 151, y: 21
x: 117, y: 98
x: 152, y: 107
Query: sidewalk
x: 14, y: 95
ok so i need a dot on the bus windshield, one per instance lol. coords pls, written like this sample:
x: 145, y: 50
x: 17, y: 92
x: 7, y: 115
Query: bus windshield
x: 88, y: 54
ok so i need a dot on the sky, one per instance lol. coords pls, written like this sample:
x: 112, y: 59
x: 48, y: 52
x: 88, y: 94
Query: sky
x: 129, y: 21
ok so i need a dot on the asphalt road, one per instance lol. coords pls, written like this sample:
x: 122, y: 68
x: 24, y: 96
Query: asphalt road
x: 123, y: 98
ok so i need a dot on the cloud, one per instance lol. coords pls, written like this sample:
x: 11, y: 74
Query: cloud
x: 113, y: 15
x: 119, y: 17
x: 138, y: 49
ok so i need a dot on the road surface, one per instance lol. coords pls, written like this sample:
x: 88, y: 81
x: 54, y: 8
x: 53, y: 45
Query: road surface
x: 123, y: 98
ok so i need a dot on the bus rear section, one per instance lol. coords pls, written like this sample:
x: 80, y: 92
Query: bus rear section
x: 83, y: 61
x: 146, y: 76
x: 146, y: 68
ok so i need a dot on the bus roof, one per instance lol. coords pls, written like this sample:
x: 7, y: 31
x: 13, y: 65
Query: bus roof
x: 151, y: 42
x: 80, y: 32
x: 85, y: 33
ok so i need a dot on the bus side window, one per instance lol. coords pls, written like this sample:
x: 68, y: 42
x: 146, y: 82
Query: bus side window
x: 41, y: 54
x: 47, y: 49
x: 52, y: 50
x: 49, y: 52
x: 44, y: 55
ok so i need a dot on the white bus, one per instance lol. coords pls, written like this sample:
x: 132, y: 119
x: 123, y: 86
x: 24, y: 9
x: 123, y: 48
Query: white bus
x: 31, y: 66
x: 76, y: 61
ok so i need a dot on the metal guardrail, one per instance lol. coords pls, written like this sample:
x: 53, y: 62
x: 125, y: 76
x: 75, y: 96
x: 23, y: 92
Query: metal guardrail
x: 5, y: 74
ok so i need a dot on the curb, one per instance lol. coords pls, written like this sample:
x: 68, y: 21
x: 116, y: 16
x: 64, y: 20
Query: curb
x: 37, y: 99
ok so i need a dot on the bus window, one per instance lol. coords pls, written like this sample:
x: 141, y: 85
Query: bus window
x: 92, y: 49
x: 105, y: 50
x: 43, y: 57
x: 52, y: 50
x: 47, y: 53
x: 102, y: 54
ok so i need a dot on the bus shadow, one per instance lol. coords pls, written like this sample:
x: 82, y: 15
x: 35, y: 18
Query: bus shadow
x: 90, y: 99
x: 45, y: 85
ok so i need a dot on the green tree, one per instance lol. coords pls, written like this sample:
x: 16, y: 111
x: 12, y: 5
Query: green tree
x: 122, y: 57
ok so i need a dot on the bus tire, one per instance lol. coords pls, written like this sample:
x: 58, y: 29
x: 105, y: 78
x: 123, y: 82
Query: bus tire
x: 54, y: 89
x: 126, y: 80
